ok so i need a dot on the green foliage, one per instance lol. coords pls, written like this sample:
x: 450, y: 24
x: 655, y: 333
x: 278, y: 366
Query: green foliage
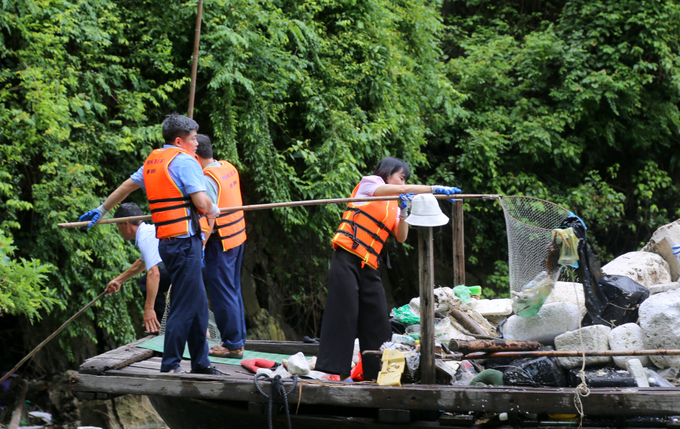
x: 572, y: 101
x: 80, y: 87
x: 22, y: 289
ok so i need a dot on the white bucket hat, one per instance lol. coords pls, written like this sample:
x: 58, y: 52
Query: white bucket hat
x: 425, y: 211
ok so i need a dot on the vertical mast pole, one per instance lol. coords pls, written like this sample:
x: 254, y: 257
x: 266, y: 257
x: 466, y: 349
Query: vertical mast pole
x: 194, y: 65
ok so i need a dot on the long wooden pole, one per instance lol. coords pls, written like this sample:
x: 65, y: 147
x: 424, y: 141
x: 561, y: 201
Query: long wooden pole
x: 54, y: 334
x: 280, y: 205
x: 194, y: 64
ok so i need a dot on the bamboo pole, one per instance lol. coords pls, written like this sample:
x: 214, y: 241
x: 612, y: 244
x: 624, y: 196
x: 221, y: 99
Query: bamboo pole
x: 302, y: 203
x: 54, y: 334
x: 194, y: 64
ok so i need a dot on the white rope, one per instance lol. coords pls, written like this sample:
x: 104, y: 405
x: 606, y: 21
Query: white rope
x: 582, y: 389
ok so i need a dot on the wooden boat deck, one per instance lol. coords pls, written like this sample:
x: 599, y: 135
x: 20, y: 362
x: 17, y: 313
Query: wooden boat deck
x: 134, y: 370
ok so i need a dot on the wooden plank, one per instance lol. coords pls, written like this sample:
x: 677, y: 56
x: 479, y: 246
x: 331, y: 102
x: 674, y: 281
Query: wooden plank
x: 117, y: 358
x: 625, y: 402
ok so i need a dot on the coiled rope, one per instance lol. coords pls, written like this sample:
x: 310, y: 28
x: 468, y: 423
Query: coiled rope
x: 278, y: 394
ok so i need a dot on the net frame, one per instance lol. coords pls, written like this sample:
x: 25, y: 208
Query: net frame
x: 529, y: 224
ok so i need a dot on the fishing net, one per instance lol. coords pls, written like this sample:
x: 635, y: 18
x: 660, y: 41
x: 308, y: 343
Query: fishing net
x: 530, y: 223
x: 213, y: 333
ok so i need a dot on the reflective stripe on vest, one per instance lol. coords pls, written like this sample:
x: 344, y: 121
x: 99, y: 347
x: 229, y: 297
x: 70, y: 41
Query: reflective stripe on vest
x: 364, y: 228
x: 230, y: 226
x: 170, y: 209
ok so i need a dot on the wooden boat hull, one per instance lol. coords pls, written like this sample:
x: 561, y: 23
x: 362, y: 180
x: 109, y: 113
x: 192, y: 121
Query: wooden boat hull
x: 196, y: 401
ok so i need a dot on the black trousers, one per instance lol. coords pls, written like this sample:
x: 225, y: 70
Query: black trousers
x: 355, y: 308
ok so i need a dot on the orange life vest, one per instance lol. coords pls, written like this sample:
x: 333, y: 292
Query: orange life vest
x: 230, y: 226
x: 364, y: 228
x: 171, y: 210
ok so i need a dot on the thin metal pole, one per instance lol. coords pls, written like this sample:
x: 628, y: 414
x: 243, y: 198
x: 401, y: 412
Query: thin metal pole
x: 428, y: 373
x: 194, y: 64
x: 276, y: 205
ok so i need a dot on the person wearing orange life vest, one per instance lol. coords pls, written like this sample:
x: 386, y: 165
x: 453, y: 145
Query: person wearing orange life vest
x: 224, y: 246
x: 356, y: 306
x: 175, y: 187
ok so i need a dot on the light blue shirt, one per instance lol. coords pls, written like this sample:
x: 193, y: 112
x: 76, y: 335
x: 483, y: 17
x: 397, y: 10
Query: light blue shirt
x: 211, y: 187
x: 185, y: 171
x: 147, y: 243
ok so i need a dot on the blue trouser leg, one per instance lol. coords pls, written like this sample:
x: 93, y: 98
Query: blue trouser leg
x: 223, y: 275
x: 188, y: 316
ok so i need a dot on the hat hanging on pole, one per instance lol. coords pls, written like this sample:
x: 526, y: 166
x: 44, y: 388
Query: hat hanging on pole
x: 425, y: 211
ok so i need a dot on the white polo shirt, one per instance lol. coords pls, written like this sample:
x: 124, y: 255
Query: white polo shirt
x: 147, y: 243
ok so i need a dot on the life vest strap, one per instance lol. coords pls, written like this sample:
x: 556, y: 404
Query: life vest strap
x: 215, y: 236
x: 164, y: 209
x: 368, y: 248
x: 374, y: 235
x: 169, y: 200
x: 168, y: 222
x: 371, y: 218
x: 230, y: 223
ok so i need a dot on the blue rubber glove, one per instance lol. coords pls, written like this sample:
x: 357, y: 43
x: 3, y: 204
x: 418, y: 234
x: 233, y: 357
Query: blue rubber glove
x: 93, y: 215
x: 445, y: 190
x: 676, y: 251
x: 405, y: 201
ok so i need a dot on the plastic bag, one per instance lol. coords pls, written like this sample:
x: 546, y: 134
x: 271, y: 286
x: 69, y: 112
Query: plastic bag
x: 462, y: 293
x: 656, y: 380
x: 405, y: 315
x: 441, y: 330
x: 413, y: 331
x: 569, y: 241
x: 532, y: 296
x: 466, y: 372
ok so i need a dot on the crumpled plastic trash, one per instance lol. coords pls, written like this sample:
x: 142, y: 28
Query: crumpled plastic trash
x: 569, y: 250
x: 297, y: 364
x: 405, y: 315
x: 47, y: 417
x: 532, y: 296
x: 465, y: 293
x: 280, y: 370
x: 656, y: 380
x: 465, y: 374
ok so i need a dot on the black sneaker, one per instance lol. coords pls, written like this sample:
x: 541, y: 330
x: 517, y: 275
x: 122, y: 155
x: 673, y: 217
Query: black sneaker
x: 211, y: 370
x: 177, y: 370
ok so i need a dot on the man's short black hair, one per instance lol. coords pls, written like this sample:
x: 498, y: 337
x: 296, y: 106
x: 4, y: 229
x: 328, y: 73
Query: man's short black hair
x: 127, y: 210
x: 176, y: 125
x: 204, y: 149
x: 389, y: 165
